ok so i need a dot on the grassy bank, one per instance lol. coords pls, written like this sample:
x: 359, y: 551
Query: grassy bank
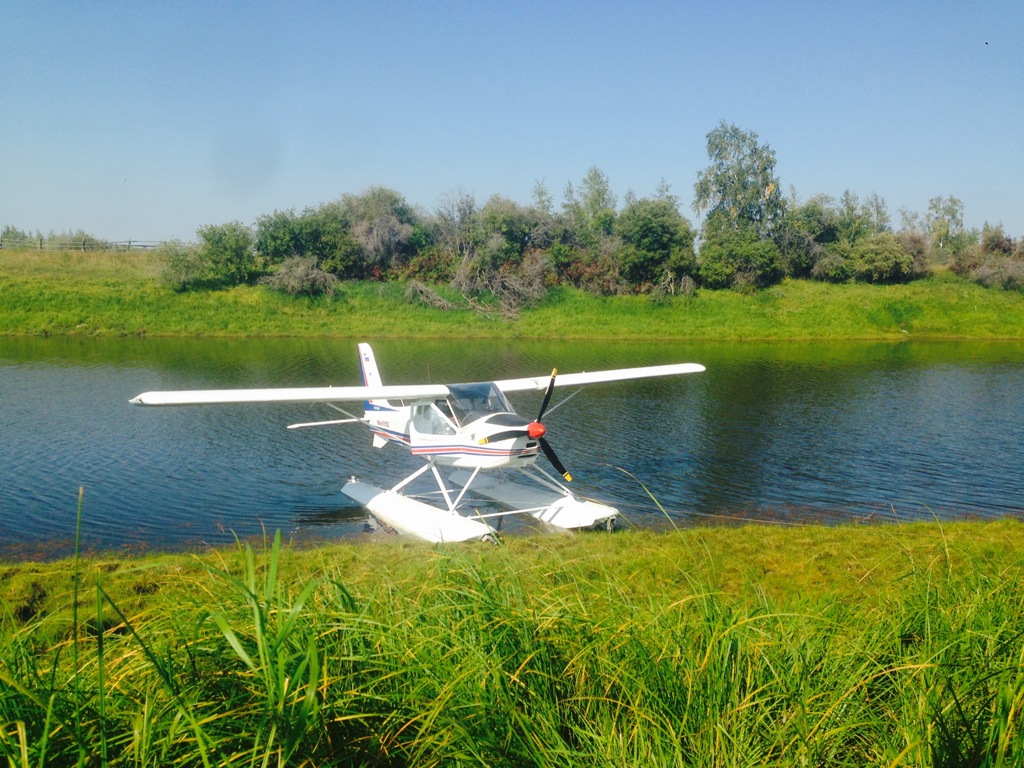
x: 43, y: 293
x: 882, y: 645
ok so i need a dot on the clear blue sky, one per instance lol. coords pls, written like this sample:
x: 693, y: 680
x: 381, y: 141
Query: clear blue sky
x: 147, y: 120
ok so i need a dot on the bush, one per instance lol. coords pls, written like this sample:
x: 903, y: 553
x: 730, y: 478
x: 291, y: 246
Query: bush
x: 640, y: 268
x: 230, y: 251
x: 279, y: 235
x: 881, y: 259
x: 916, y: 245
x: 656, y: 238
x: 302, y: 277
x: 599, y: 274
x: 834, y: 266
x: 740, y: 259
x: 564, y: 259
x: 513, y: 287
x: 966, y: 262
x: 431, y: 264
x: 994, y: 240
x: 997, y: 272
x: 185, y: 265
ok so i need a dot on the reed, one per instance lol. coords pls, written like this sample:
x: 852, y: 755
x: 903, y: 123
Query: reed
x: 719, y: 646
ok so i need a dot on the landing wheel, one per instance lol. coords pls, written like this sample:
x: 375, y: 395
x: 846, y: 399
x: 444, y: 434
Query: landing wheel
x: 609, y: 525
x: 491, y: 539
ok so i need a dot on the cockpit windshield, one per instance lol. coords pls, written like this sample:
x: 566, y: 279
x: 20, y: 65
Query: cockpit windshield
x: 471, y: 401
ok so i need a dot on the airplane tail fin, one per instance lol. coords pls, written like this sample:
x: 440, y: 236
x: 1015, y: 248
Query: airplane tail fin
x: 368, y: 367
x: 371, y: 378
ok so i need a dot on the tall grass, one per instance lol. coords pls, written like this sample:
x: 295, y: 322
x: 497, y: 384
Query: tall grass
x: 97, y: 293
x: 633, y: 649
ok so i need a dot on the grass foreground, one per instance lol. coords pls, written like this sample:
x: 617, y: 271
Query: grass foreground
x: 120, y: 294
x: 725, y: 646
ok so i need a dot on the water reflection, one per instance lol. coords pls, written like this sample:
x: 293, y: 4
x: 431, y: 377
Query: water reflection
x: 787, y: 431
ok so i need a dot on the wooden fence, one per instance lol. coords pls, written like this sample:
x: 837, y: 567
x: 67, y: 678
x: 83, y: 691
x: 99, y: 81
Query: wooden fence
x: 74, y: 244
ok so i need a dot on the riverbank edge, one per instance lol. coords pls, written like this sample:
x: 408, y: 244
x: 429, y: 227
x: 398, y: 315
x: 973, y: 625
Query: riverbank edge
x: 84, y: 296
x: 778, y: 558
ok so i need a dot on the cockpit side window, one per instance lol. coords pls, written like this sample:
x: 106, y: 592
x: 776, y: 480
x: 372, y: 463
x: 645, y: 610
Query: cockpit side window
x: 433, y: 419
x: 471, y: 401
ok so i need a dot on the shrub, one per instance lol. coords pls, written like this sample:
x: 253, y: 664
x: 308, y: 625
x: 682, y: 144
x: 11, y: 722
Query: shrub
x: 994, y: 240
x: 431, y: 264
x: 835, y: 266
x: 229, y: 249
x: 739, y: 258
x: 966, y: 262
x: 656, y: 238
x: 564, y: 258
x: 640, y: 267
x: 185, y: 265
x: 881, y: 259
x: 916, y: 245
x: 600, y: 274
x: 299, y: 276
x: 997, y: 272
x: 279, y: 236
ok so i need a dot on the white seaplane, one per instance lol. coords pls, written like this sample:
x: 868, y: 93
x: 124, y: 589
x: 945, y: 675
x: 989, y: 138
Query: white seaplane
x: 470, y: 428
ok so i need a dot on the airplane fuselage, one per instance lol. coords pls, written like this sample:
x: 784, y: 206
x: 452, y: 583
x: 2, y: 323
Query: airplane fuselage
x: 473, y: 427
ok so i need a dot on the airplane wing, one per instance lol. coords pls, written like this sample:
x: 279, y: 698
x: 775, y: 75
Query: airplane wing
x: 540, y: 383
x: 292, y: 395
x: 424, y: 392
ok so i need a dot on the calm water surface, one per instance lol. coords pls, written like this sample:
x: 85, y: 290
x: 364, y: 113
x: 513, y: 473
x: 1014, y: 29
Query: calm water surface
x: 787, y: 432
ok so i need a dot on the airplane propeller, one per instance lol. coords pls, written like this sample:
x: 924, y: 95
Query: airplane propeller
x: 536, y: 430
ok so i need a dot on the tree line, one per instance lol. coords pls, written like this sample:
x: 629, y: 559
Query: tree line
x: 750, y: 236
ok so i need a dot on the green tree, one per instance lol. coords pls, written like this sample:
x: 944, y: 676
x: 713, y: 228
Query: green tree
x: 737, y: 258
x: 877, y: 213
x: 854, y: 221
x: 279, y: 236
x: 916, y: 246
x: 499, y: 257
x: 229, y: 249
x: 452, y: 228
x: 12, y: 236
x: 382, y: 223
x: 805, y: 234
x: 324, y: 235
x: 994, y: 240
x: 591, y: 209
x: 549, y: 227
x: 835, y: 265
x: 739, y: 189
x: 817, y: 238
x: 506, y: 231
x: 657, y: 240
x: 543, y: 201
x: 945, y: 222
x: 881, y: 258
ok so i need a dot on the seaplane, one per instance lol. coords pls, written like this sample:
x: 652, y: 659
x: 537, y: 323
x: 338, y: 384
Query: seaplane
x: 470, y: 431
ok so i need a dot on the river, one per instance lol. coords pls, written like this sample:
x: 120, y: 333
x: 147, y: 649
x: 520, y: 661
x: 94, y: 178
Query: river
x: 781, y: 433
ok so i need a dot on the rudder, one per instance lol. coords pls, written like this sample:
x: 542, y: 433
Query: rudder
x: 371, y: 378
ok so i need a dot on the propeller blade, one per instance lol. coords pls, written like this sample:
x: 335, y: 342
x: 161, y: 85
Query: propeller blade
x: 547, y: 395
x: 533, y: 431
x: 550, y: 453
